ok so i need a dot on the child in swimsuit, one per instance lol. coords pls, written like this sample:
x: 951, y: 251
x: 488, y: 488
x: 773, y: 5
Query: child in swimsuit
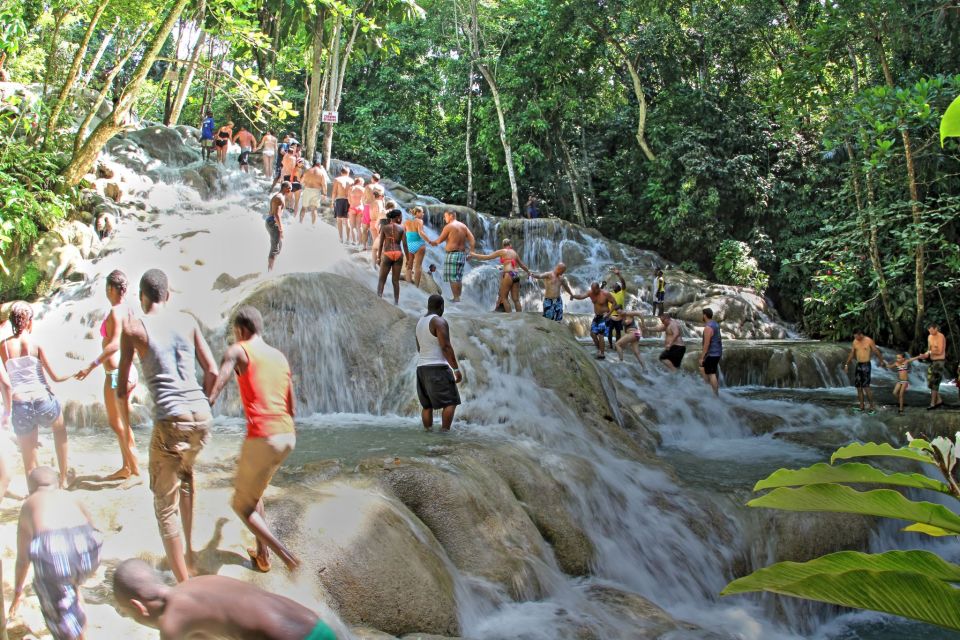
x: 902, y: 366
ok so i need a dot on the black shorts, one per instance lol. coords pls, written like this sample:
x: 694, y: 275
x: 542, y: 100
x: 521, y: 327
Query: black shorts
x: 614, y: 326
x: 710, y: 365
x: 220, y: 143
x: 436, y: 387
x: 674, y: 355
x: 861, y: 375
x: 341, y: 208
x: 660, y: 295
x: 244, y: 158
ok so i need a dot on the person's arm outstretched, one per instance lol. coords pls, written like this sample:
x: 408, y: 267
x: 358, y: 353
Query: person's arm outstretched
x: 850, y: 356
x: 441, y: 238
x: 486, y: 256
x: 42, y: 355
x: 208, y: 365
x: 579, y: 296
x: 115, y: 328
x: 232, y: 357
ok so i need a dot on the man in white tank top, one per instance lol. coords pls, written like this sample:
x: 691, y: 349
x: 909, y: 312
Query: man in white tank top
x: 437, y: 370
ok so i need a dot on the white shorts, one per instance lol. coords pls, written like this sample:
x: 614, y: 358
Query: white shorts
x: 311, y: 198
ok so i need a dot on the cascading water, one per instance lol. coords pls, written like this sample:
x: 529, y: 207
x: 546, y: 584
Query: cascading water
x: 650, y: 467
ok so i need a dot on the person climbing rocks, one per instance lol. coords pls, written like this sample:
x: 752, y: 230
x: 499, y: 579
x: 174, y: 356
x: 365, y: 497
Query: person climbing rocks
x: 268, y: 152
x: 660, y: 292
x: 29, y: 403
x: 206, y: 135
x: 389, y: 252
x: 247, y: 142
x: 315, y: 181
x: 510, y: 265
x: 416, y: 245
x: 369, y: 196
x: 118, y: 410
x: 711, y: 352
x: 373, y: 218
x: 937, y: 355
x: 215, y: 606
x: 632, y: 334
x: 341, y: 206
x: 459, y: 243
x: 224, y: 135
x: 282, y: 150
x: 274, y: 222
x: 553, y: 282
x: 266, y: 391
x: 673, y: 347
x: 861, y: 349
x: 603, y: 304
x: 615, y: 323
x: 902, y: 366
x: 169, y: 344
x: 355, y: 196
x: 55, y: 534
x: 438, y: 372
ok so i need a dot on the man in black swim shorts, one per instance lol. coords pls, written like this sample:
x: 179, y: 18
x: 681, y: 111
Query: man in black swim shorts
x: 438, y: 371
x: 673, y: 347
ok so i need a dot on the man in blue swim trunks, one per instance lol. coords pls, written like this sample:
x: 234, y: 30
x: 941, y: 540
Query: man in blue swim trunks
x: 603, y: 304
x: 459, y: 244
x: 553, y: 282
x: 231, y: 608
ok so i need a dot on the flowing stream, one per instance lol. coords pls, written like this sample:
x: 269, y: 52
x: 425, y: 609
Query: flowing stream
x: 666, y: 521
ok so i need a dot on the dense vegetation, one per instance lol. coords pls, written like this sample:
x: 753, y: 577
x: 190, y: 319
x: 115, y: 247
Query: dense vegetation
x: 789, y: 145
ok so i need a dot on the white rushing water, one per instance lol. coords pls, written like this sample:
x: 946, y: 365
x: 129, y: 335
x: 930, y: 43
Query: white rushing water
x: 669, y: 528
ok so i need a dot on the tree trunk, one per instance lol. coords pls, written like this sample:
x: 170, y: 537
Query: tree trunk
x: 641, y: 109
x: 332, y: 80
x: 107, y: 39
x: 314, y: 97
x: 187, y: 80
x: 573, y: 177
x: 58, y: 18
x: 507, y: 151
x: 113, y: 124
x: 468, y: 155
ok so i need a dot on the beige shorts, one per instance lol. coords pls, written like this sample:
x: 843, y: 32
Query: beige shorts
x: 311, y: 198
x: 259, y: 460
x: 174, y: 447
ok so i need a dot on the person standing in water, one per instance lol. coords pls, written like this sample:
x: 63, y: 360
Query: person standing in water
x: 56, y: 534
x: 459, y: 244
x: 266, y: 390
x: 315, y: 182
x: 416, y: 245
x: 223, y: 141
x: 247, y: 142
x: 341, y: 206
x: 212, y: 606
x: 274, y: 222
x: 673, y: 347
x: 369, y: 197
x: 29, y: 402
x: 861, y: 349
x: 268, y: 152
x: 509, y: 278
x: 937, y: 355
x: 355, y: 196
x: 603, y: 305
x: 118, y: 411
x: 902, y: 367
x: 169, y: 345
x: 438, y: 372
x: 633, y: 332
x: 660, y: 292
x: 553, y: 282
x: 206, y: 135
x: 711, y: 352
x: 377, y: 213
x: 389, y: 252
x: 615, y: 323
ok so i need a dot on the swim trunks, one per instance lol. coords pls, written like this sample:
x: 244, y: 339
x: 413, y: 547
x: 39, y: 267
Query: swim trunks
x: 453, y: 266
x: 132, y: 379
x: 553, y: 309
x: 321, y: 632
x: 599, y: 325
x: 861, y: 375
x: 674, y: 354
x: 436, y: 386
x: 614, y: 326
x: 62, y: 560
x: 311, y: 198
x: 276, y: 242
x: 206, y: 143
x: 341, y: 208
x: 244, y: 157
x: 934, y: 375
x: 710, y: 365
x: 660, y: 295
x: 27, y: 416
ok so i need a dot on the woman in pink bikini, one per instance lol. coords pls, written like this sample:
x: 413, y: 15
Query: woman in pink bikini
x: 118, y: 409
x: 510, y: 264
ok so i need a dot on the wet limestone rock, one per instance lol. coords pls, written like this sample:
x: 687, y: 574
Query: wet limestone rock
x: 166, y: 144
x: 647, y: 621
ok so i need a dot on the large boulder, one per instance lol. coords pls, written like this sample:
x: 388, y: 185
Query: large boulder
x: 166, y: 144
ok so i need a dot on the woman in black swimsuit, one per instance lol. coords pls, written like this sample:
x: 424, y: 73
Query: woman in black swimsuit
x: 223, y: 141
x: 390, y: 251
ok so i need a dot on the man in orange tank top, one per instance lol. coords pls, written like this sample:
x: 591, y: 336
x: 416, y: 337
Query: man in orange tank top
x: 266, y: 390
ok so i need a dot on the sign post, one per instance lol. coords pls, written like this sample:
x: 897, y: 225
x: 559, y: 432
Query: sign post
x: 331, y: 117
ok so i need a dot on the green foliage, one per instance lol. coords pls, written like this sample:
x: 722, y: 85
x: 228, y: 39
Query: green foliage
x: 30, y: 281
x: 913, y: 584
x: 950, y: 124
x: 734, y: 265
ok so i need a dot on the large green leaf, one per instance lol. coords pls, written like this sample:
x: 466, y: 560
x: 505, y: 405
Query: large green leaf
x: 838, y: 498
x: 929, y: 564
x: 919, y: 592
x: 851, y: 472
x: 950, y: 125
x: 871, y: 449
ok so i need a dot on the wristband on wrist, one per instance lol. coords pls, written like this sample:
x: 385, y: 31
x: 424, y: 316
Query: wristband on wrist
x: 96, y: 362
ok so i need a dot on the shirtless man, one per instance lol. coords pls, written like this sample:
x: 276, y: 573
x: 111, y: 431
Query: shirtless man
x: 247, y: 142
x: 268, y: 152
x: 369, y: 195
x: 459, y: 244
x: 315, y: 181
x: 56, y: 533
x: 355, y: 196
x: 861, y: 349
x: 212, y: 606
x: 553, y: 282
x: 169, y: 345
x: 937, y: 355
x: 274, y: 222
x: 603, y: 304
x: 341, y: 206
x: 673, y: 347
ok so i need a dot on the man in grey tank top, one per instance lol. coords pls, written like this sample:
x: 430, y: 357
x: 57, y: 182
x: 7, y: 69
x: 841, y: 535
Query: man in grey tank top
x: 169, y: 345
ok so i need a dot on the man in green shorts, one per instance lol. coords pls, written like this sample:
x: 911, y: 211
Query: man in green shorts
x: 937, y: 354
x: 214, y: 606
x: 459, y: 244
